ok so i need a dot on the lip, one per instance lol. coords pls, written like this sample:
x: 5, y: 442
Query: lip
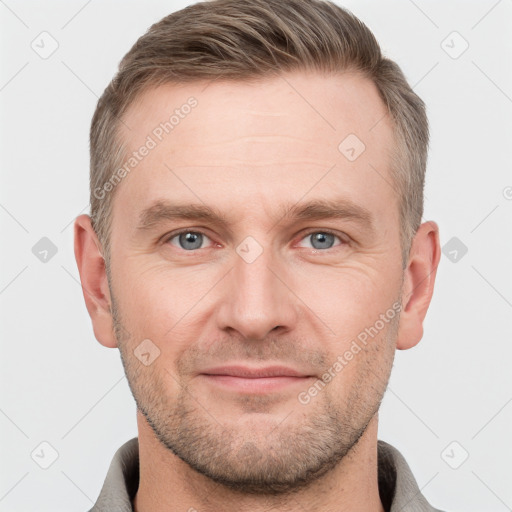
x: 254, y: 373
x: 243, y: 379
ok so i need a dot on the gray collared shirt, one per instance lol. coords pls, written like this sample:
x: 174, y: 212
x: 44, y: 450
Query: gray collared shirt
x: 397, y: 487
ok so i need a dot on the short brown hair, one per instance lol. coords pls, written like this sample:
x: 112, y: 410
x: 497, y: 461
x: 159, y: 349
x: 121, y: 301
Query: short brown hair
x: 250, y: 39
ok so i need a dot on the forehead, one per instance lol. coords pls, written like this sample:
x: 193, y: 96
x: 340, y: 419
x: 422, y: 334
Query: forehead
x: 326, y: 106
x: 258, y: 142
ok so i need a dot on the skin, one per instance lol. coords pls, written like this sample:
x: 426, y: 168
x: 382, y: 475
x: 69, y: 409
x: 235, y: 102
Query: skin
x: 250, y: 150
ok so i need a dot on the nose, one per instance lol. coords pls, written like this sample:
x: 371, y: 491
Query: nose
x: 256, y: 298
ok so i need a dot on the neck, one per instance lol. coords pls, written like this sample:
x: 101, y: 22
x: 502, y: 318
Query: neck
x: 169, y: 484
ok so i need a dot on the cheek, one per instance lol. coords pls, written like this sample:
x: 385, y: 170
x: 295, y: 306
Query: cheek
x: 166, y: 306
x: 151, y: 292
x: 347, y: 299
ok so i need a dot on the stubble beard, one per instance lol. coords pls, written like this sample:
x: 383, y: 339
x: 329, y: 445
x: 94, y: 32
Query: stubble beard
x: 286, y: 454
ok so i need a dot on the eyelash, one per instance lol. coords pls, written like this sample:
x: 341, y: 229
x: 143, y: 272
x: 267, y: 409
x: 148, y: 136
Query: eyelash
x: 175, y: 234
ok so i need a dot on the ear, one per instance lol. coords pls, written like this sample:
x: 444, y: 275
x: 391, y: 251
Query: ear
x: 418, y: 286
x: 93, y: 275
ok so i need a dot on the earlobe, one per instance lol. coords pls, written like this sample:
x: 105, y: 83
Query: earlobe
x: 418, y: 284
x: 91, y: 267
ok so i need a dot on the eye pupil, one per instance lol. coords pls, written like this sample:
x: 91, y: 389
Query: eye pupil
x: 191, y: 240
x: 322, y: 240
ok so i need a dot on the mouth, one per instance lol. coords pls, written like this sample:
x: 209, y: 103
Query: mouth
x: 255, y: 380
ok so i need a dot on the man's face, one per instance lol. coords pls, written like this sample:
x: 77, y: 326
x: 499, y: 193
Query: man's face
x: 271, y: 282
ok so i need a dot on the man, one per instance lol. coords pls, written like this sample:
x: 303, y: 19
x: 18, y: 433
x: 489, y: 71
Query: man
x: 255, y: 250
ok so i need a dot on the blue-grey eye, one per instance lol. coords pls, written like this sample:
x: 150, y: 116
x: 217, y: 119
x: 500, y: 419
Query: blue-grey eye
x: 189, y: 240
x: 322, y: 240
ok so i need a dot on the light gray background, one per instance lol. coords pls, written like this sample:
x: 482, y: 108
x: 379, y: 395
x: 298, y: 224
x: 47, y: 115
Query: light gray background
x: 59, y: 385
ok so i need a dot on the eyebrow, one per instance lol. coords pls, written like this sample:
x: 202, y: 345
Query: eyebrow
x: 163, y: 210
x: 318, y: 209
